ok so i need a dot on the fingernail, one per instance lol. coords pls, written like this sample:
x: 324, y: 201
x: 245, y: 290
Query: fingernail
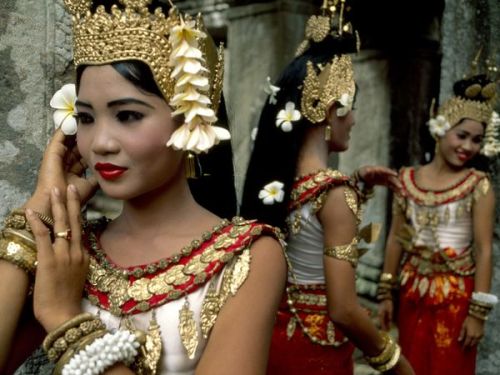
x: 72, y: 188
x: 29, y: 212
x: 56, y: 191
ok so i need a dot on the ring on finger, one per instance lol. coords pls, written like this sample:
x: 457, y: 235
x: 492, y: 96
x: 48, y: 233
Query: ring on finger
x: 66, y: 234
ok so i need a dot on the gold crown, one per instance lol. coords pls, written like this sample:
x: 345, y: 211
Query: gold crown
x: 185, y: 63
x: 335, y: 82
x: 456, y: 108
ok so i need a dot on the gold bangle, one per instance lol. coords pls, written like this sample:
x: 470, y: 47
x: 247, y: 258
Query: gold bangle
x: 20, y: 235
x: 61, y: 330
x: 387, y: 277
x: 392, y: 362
x: 386, y: 354
x: 18, y: 254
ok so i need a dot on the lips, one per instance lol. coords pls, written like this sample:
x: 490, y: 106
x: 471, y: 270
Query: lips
x: 109, y: 171
x: 462, y: 157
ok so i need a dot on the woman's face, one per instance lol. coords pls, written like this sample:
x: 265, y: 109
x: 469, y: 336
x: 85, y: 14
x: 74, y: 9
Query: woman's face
x: 461, y: 143
x: 340, y: 128
x: 122, y: 133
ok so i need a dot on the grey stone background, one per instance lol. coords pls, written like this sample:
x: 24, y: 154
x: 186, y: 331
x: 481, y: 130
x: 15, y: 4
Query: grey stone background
x: 405, y: 61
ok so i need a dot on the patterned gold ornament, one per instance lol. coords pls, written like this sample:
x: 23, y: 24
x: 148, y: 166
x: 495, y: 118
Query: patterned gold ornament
x: 187, y: 330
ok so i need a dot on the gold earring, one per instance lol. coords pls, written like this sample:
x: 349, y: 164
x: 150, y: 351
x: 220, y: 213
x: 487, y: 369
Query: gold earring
x: 190, y: 166
x: 328, y: 133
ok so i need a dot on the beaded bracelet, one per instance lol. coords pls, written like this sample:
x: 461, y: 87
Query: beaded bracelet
x: 120, y: 346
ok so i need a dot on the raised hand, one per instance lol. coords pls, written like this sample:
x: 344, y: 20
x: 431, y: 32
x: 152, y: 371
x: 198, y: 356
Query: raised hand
x: 62, y: 263
x: 373, y: 175
x: 61, y: 165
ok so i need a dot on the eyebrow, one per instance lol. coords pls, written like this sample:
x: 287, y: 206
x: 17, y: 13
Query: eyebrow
x: 117, y: 102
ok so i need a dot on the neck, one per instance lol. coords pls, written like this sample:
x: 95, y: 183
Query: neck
x: 314, y: 152
x: 441, y: 166
x: 167, y: 206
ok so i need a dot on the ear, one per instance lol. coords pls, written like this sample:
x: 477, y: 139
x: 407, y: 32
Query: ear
x: 331, y: 109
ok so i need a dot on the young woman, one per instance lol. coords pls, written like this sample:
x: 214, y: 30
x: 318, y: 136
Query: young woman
x: 289, y: 184
x: 168, y: 286
x: 439, y: 245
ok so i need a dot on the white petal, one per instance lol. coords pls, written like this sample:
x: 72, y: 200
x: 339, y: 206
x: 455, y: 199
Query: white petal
x: 221, y: 133
x: 68, y: 126
x: 286, y: 126
x: 59, y: 116
x: 342, y: 111
x: 289, y: 107
x: 296, y: 115
x: 179, y: 138
x: 268, y: 200
x: 253, y: 134
x: 64, y: 98
x: 279, y: 196
x: 194, y: 138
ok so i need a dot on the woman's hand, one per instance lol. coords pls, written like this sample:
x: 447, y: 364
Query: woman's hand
x: 378, y: 175
x: 62, y: 264
x: 385, y: 314
x: 61, y: 165
x: 472, y: 332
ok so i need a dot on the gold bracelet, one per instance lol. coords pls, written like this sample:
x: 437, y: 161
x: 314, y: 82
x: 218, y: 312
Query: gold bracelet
x: 386, y: 354
x: 388, y: 277
x: 478, y: 315
x: 392, y: 362
x: 19, y: 254
x: 348, y: 252
x: 77, y: 347
x: 61, y: 330
x: 17, y: 220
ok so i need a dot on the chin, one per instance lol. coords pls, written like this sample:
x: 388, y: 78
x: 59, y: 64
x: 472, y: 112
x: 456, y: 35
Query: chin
x: 340, y: 147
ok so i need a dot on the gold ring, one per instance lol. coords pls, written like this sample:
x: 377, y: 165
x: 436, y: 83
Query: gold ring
x: 65, y: 234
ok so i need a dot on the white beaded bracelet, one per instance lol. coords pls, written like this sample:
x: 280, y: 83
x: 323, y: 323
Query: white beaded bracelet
x: 487, y: 298
x: 120, y: 346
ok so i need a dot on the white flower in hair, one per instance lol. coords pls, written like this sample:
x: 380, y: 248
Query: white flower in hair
x: 63, y: 102
x: 438, y: 126
x: 346, y: 101
x: 271, y: 90
x: 272, y: 192
x: 253, y: 134
x: 287, y: 116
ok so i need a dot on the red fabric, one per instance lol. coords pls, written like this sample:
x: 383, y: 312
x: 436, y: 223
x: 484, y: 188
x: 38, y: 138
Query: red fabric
x: 300, y: 356
x: 428, y: 334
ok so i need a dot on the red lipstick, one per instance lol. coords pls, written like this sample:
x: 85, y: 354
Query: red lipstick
x: 109, y: 171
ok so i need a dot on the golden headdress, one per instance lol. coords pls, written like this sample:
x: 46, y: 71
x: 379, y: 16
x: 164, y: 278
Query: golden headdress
x: 185, y: 63
x: 334, y: 81
x: 474, y: 99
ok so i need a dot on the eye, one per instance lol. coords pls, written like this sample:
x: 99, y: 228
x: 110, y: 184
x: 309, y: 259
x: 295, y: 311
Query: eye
x: 83, y: 118
x: 477, y: 140
x: 461, y: 135
x: 129, y: 116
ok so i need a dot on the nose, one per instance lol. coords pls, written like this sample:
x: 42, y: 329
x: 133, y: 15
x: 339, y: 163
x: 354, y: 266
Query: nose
x: 467, y: 145
x: 104, y: 139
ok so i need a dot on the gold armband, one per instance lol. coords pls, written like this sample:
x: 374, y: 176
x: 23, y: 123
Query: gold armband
x: 18, y: 248
x: 17, y: 220
x: 348, y: 252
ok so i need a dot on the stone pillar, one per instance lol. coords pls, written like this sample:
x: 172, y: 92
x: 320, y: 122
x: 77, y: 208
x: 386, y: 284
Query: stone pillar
x: 473, y: 24
x: 31, y: 50
x: 261, y: 39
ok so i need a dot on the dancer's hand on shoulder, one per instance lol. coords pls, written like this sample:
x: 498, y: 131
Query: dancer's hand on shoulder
x: 373, y: 175
x: 61, y: 165
x: 472, y: 332
x: 62, y: 263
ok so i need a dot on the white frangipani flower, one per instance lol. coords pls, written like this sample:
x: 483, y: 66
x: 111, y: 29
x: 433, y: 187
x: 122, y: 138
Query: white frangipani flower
x: 63, y: 102
x: 287, y: 116
x: 190, y: 97
x: 271, y: 90
x: 346, y: 101
x: 438, y: 126
x: 272, y: 192
x: 198, y: 140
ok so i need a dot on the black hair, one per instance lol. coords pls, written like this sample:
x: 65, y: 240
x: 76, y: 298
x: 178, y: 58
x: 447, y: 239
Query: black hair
x: 275, y: 152
x: 214, y: 189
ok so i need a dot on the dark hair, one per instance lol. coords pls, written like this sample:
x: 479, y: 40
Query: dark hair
x: 275, y: 153
x: 214, y: 190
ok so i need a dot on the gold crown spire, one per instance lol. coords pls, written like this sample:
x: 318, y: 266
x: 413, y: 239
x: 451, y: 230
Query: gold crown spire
x: 183, y: 59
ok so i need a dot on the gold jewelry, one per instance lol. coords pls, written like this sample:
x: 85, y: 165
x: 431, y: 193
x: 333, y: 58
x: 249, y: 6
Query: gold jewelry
x: 331, y: 84
x: 328, y: 133
x: 17, y: 220
x: 186, y: 65
x: 64, y: 234
x: 15, y: 251
x: 387, y: 277
x: 60, y: 331
x: 348, y: 252
x: 388, y: 357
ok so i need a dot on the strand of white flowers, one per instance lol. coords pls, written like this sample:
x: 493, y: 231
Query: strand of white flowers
x: 104, y: 352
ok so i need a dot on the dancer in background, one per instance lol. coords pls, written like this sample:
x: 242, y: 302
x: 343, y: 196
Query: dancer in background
x: 309, y: 115
x: 440, y: 243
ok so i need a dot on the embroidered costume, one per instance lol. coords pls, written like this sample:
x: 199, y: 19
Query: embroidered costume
x: 305, y: 340
x: 437, y: 272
